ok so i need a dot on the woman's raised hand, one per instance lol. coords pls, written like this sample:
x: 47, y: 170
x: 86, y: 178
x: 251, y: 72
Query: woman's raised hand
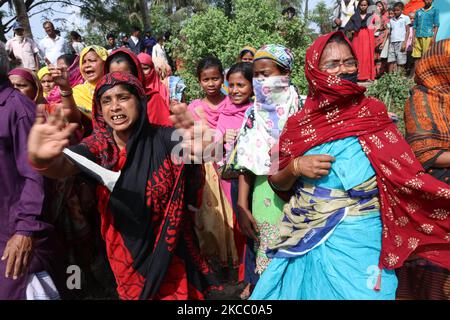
x: 196, y: 134
x: 312, y: 166
x: 47, y: 140
x: 60, y: 76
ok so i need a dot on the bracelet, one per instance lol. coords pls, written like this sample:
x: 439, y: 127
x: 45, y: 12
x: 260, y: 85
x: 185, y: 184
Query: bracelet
x: 65, y: 94
x: 297, y: 167
x: 38, y: 168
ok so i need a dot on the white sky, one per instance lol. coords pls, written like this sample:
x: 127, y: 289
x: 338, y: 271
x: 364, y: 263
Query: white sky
x: 70, y: 13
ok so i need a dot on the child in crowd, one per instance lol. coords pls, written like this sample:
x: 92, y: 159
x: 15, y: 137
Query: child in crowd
x: 426, y: 25
x: 214, y: 220
x: 363, y: 41
x: 399, y: 33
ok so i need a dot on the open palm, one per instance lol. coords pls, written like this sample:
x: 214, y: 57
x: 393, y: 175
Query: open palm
x: 48, y: 139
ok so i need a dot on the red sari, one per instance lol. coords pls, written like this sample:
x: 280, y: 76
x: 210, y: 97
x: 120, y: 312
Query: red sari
x: 147, y: 217
x: 415, y: 207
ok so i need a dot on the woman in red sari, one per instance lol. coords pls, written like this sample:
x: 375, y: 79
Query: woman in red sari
x: 326, y: 251
x: 143, y: 201
x: 363, y: 41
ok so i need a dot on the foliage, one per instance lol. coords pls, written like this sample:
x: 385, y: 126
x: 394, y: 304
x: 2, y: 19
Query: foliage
x: 322, y: 15
x: 253, y: 22
x: 393, y: 90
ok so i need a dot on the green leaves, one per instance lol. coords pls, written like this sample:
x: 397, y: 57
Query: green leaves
x: 253, y: 22
x: 393, y: 89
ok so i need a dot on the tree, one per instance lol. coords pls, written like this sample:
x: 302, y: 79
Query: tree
x: 323, y: 17
x: 253, y: 22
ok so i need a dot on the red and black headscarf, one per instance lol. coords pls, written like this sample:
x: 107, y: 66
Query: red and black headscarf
x: 415, y: 206
x: 132, y: 60
x: 149, y: 203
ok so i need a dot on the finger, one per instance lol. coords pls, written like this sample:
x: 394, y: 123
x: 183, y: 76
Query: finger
x: 18, y: 266
x: 324, y: 165
x: 47, y: 62
x: 322, y: 172
x: 5, y: 254
x: 10, y: 265
x: 40, y: 117
x: 325, y: 158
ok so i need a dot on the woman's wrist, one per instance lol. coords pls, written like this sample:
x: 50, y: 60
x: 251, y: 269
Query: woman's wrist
x: 295, y: 168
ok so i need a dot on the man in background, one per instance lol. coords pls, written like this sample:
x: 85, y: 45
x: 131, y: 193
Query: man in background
x: 22, y: 50
x: 53, y: 46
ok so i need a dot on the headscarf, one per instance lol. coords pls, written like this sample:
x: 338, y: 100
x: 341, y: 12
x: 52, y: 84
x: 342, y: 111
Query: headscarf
x: 75, y: 78
x: 427, y: 111
x: 31, y: 77
x: 43, y: 72
x: 100, y: 51
x: 83, y: 93
x: 132, y: 58
x: 148, y: 203
x: 278, y: 53
x: 247, y: 49
x: 414, y: 205
x: 153, y: 83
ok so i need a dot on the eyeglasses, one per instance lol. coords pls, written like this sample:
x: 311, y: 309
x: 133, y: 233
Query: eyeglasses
x: 335, y: 65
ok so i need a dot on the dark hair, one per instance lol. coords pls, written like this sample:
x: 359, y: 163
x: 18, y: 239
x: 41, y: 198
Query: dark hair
x: 368, y: 2
x: 75, y: 35
x: 244, y: 52
x: 110, y: 35
x: 209, y: 62
x: 246, y: 68
x: 68, y: 58
x: 136, y: 28
x: 121, y: 57
x: 289, y: 9
x: 48, y: 22
x: 399, y: 5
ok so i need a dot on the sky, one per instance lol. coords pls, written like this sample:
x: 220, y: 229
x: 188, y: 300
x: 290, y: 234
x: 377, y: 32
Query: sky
x: 71, y: 14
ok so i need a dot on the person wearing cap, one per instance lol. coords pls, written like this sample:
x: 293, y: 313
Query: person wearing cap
x: 53, y: 45
x: 22, y: 50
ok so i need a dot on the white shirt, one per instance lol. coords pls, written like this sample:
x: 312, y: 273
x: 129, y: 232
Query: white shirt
x: 398, y: 28
x: 135, y: 40
x: 52, y: 49
x: 158, y: 52
x: 78, y: 47
x: 23, y: 48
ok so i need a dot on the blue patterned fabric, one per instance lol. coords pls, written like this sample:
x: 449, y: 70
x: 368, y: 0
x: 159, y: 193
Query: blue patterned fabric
x: 340, y: 261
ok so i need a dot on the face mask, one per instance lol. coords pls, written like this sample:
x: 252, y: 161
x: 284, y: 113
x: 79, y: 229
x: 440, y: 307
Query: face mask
x: 270, y: 89
x: 352, y: 77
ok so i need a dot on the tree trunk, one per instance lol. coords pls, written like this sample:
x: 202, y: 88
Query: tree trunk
x: 306, y: 10
x: 22, y: 16
x: 145, y: 14
x: 228, y: 6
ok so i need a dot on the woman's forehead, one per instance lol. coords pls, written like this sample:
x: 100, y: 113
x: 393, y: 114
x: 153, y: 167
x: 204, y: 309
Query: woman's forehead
x: 335, y: 50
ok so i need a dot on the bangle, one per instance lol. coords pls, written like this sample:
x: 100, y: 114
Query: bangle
x: 67, y: 93
x: 37, y: 167
x: 297, y: 169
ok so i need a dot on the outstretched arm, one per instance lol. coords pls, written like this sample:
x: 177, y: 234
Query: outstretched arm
x: 46, y: 143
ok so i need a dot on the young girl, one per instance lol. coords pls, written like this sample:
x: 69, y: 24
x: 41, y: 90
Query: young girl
x: 381, y: 35
x: 363, y: 41
x: 214, y: 220
x: 259, y: 209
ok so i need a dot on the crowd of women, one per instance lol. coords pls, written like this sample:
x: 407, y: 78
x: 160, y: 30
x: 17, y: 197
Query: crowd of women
x: 308, y: 197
